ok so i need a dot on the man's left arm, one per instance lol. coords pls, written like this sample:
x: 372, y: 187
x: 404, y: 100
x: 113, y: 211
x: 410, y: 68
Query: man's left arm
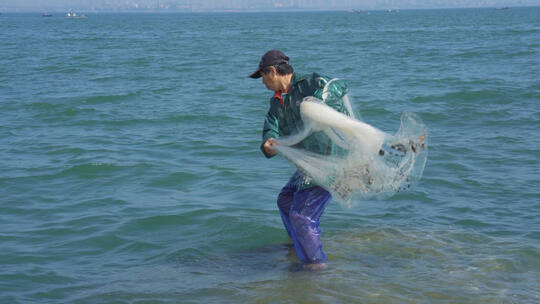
x: 333, y: 95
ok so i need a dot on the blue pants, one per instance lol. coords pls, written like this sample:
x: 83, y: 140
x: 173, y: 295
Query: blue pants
x: 300, y: 212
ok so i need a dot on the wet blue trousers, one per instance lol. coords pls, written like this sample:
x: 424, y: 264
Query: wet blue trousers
x: 300, y: 212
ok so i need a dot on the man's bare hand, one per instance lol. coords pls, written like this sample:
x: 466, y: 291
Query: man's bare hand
x: 269, y: 146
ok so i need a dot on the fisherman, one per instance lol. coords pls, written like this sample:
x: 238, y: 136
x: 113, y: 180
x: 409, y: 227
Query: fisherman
x: 301, y: 202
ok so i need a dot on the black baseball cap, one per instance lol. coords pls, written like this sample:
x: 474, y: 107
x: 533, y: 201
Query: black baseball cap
x: 272, y: 57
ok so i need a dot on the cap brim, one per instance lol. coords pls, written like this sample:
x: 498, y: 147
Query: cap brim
x: 256, y: 74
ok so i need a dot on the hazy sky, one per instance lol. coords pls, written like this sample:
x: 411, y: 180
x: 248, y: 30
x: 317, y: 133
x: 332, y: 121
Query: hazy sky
x: 194, y: 5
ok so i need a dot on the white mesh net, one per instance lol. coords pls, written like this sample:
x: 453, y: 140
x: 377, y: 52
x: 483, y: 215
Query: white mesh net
x: 364, y: 162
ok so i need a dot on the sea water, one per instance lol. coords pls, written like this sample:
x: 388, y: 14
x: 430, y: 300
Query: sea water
x: 131, y: 169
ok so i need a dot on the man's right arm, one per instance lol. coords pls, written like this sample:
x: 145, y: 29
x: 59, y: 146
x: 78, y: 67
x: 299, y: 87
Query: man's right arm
x: 270, y: 133
x: 268, y: 147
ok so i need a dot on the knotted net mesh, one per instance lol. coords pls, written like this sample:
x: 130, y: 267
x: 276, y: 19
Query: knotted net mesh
x: 361, y: 161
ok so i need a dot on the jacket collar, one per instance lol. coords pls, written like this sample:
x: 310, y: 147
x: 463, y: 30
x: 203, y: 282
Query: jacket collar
x: 278, y: 94
x: 295, y: 79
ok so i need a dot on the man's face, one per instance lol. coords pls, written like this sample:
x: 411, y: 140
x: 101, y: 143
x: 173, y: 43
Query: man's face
x: 270, y: 79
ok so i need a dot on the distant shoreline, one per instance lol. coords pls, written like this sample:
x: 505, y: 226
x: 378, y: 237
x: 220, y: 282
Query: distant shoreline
x: 283, y: 10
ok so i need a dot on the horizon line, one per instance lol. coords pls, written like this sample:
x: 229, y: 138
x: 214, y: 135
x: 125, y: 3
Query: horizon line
x: 165, y: 11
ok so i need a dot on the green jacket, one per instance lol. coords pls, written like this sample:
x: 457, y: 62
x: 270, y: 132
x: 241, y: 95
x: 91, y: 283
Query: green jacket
x: 284, y: 119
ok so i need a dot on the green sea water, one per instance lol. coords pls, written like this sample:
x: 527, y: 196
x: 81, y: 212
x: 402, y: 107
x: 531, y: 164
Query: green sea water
x: 130, y: 169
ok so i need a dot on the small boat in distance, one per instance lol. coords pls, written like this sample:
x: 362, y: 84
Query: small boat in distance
x: 46, y: 14
x: 73, y: 15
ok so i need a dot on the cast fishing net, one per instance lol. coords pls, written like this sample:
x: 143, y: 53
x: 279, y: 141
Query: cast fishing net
x: 361, y: 162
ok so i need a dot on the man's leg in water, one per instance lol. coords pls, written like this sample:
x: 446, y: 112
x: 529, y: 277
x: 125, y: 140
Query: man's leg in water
x: 306, y: 209
x: 300, y: 212
x: 284, y: 202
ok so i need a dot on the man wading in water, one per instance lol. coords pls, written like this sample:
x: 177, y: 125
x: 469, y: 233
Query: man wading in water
x: 301, y: 202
